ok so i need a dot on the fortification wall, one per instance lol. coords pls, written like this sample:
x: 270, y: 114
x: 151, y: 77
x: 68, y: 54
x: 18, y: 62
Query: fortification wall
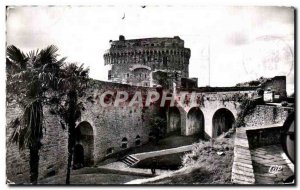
x: 110, y: 125
x: 125, y: 56
x: 266, y: 115
x: 53, y: 153
x: 208, y: 104
x: 17, y: 162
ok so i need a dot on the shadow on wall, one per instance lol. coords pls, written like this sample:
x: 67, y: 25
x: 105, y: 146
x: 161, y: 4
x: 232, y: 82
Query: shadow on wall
x: 84, y: 144
x: 174, y: 122
x: 195, y: 122
x: 223, y: 120
x: 166, y: 162
x: 264, y: 137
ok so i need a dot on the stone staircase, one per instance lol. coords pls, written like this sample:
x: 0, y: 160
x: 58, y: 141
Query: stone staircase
x: 130, y: 160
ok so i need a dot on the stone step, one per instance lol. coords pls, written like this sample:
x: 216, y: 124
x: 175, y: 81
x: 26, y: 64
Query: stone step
x: 130, y: 160
x: 126, y: 162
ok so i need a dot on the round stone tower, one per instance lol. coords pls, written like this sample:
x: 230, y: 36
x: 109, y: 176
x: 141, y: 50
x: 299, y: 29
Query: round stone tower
x: 138, y: 61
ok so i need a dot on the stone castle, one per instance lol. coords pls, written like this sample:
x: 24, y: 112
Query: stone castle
x: 151, y: 64
x: 140, y: 61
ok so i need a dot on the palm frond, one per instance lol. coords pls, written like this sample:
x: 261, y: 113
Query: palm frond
x: 33, y: 54
x: 33, y: 118
x: 47, y: 55
x: 12, y: 67
x: 16, y: 55
x: 28, y: 127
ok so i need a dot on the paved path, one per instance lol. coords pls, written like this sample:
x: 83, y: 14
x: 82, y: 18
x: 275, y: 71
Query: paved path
x: 242, y: 169
x: 120, y: 166
x: 180, y: 149
x: 270, y: 165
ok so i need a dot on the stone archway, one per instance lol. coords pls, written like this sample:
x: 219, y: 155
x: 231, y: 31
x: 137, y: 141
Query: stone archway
x: 85, y: 139
x: 223, y: 120
x: 195, y: 122
x: 174, y: 120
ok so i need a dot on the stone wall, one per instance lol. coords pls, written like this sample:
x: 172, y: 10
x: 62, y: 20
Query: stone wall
x: 53, y: 153
x: 209, y: 103
x: 115, y: 129
x: 110, y: 125
x: 17, y: 161
x: 266, y: 115
x: 276, y: 84
x: 264, y: 137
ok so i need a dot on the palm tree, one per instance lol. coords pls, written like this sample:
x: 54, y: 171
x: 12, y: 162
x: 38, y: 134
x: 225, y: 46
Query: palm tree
x: 30, y: 76
x: 74, y: 80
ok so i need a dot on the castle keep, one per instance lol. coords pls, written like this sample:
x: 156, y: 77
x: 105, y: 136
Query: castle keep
x: 137, y: 61
x: 150, y: 64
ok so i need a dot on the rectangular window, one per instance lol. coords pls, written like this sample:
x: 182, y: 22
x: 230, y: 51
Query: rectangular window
x: 109, y: 75
x: 165, y: 61
x: 124, y: 145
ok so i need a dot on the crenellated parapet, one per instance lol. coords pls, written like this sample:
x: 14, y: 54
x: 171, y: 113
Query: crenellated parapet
x: 114, y: 54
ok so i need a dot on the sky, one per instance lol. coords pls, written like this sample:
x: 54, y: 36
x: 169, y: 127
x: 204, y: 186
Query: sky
x: 228, y: 45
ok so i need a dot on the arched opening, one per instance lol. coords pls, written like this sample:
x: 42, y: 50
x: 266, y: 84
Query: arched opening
x: 195, y: 122
x: 84, y: 144
x: 223, y: 120
x: 78, y: 156
x: 124, y: 143
x: 137, y: 140
x: 174, y: 120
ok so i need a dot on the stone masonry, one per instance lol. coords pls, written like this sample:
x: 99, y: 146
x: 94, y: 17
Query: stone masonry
x: 134, y: 61
x: 109, y: 130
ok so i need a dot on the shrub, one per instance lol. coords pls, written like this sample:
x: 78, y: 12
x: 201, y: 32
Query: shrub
x: 204, y: 160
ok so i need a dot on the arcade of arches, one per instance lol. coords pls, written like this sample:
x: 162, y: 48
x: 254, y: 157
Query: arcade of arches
x: 193, y: 122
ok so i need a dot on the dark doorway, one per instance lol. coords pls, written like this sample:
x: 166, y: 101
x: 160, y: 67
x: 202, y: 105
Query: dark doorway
x: 137, y: 140
x: 174, y: 121
x: 223, y: 120
x: 195, y: 122
x: 85, y: 138
x: 124, y: 143
x: 78, y: 157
